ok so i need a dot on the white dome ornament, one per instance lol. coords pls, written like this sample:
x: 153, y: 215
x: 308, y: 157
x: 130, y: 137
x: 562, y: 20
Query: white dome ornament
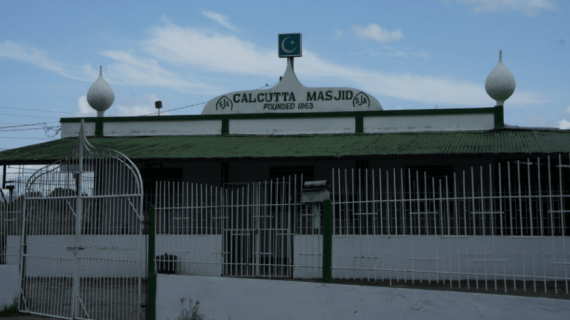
x: 500, y: 83
x: 100, y: 96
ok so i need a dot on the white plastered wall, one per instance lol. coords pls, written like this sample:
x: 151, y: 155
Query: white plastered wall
x: 162, y: 128
x: 252, y: 299
x: 293, y: 126
x: 71, y: 129
x: 459, y: 122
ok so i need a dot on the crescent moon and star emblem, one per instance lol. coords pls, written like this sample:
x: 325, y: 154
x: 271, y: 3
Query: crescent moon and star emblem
x: 283, y: 45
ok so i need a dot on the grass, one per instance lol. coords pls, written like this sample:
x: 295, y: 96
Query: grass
x: 191, y: 313
x: 9, y: 310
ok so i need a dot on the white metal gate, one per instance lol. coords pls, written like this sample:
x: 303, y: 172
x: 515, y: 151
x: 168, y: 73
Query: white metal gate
x: 82, y: 249
x: 243, y: 229
x: 258, y: 231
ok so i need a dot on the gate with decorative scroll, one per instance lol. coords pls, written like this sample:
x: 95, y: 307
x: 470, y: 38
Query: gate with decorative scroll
x: 82, y: 244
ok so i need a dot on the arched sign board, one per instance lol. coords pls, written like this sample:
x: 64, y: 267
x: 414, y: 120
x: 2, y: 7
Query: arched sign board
x: 290, y: 96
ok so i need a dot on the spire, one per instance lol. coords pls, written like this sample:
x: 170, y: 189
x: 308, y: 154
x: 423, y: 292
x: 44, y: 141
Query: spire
x: 100, y: 96
x: 500, y: 83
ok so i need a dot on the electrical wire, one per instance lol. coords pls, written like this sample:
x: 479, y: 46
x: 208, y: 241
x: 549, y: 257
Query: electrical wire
x: 193, y: 105
x: 28, y: 125
x: 197, y: 104
x: 37, y: 110
x: 25, y: 138
x: 19, y: 115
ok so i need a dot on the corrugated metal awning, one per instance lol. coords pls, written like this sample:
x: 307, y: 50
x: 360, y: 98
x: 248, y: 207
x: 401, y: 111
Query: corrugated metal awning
x: 297, y: 146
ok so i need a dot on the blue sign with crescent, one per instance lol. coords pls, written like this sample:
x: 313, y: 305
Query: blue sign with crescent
x: 289, y: 45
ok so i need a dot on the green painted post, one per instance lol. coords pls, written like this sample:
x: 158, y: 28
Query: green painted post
x: 151, y: 293
x: 327, y: 241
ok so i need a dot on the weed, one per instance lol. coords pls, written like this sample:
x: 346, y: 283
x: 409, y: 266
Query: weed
x: 9, y: 310
x: 191, y: 313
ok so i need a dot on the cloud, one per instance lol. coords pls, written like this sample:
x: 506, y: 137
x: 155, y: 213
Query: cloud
x: 211, y: 51
x: 564, y: 124
x: 139, y: 71
x: 219, y: 18
x: 338, y: 33
x: 138, y: 106
x: 173, y: 56
x: 536, y: 120
x: 391, y: 52
x: 527, y: 7
x: 186, y: 47
x: 84, y: 109
x: 40, y: 58
x: 375, y: 32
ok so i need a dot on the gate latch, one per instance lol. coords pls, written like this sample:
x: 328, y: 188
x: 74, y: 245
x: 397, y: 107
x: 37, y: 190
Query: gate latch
x: 75, y: 249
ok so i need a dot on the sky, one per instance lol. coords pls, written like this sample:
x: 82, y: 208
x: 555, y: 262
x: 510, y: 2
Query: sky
x: 407, y: 54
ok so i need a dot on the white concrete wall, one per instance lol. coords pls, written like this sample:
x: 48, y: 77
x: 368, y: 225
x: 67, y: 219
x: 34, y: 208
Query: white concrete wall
x: 437, y: 257
x: 372, y: 124
x: 292, y: 126
x: 105, y: 256
x: 162, y: 128
x: 458, y: 122
x: 9, y: 285
x: 252, y: 299
x: 307, y: 256
x: 71, y: 129
x: 196, y: 254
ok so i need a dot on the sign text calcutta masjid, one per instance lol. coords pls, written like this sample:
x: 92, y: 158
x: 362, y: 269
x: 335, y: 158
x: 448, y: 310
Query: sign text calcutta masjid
x: 288, y: 101
x: 289, y: 94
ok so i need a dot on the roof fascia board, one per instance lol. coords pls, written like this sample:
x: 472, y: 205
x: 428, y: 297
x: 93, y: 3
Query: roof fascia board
x: 496, y: 111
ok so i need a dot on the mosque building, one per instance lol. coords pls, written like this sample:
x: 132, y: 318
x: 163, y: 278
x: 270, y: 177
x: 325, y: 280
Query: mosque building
x: 291, y: 129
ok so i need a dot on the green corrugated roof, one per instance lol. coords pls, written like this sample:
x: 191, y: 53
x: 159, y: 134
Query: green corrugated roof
x: 209, y: 147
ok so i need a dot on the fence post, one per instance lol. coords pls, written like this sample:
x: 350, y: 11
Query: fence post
x: 327, y: 241
x: 151, y: 289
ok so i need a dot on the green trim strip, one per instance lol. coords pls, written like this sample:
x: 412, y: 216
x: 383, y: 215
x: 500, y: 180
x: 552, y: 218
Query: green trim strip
x: 99, y: 127
x: 225, y: 126
x: 386, y: 113
x: 151, y: 295
x: 327, y: 241
x: 499, y: 117
x: 359, y: 124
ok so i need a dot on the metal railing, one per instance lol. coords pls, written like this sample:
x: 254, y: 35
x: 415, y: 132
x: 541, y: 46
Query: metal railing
x: 502, y: 225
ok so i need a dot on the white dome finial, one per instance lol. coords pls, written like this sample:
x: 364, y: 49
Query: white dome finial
x: 500, y: 83
x: 100, y: 96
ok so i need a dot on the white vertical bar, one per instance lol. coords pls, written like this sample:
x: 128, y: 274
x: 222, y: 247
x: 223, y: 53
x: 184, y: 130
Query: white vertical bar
x: 449, y: 231
x: 374, y: 225
x: 474, y: 226
x: 388, y: 223
x: 403, y: 216
x: 552, y: 227
x: 381, y: 221
x: 531, y: 225
x: 456, y: 207
x: 541, y: 225
x: 395, y: 221
x: 410, y: 221
x: 426, y: 208
x: 367, y: 230
x: 563, y: 225
x: 353, y: 226
x: 492, y: 217
x: 483, y: 225
x: 511, y: 214
x: 502, y: 227
x: 435, y: 229
x: 334, y: 221
x: 521, y: 223
x: 418, y: 195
